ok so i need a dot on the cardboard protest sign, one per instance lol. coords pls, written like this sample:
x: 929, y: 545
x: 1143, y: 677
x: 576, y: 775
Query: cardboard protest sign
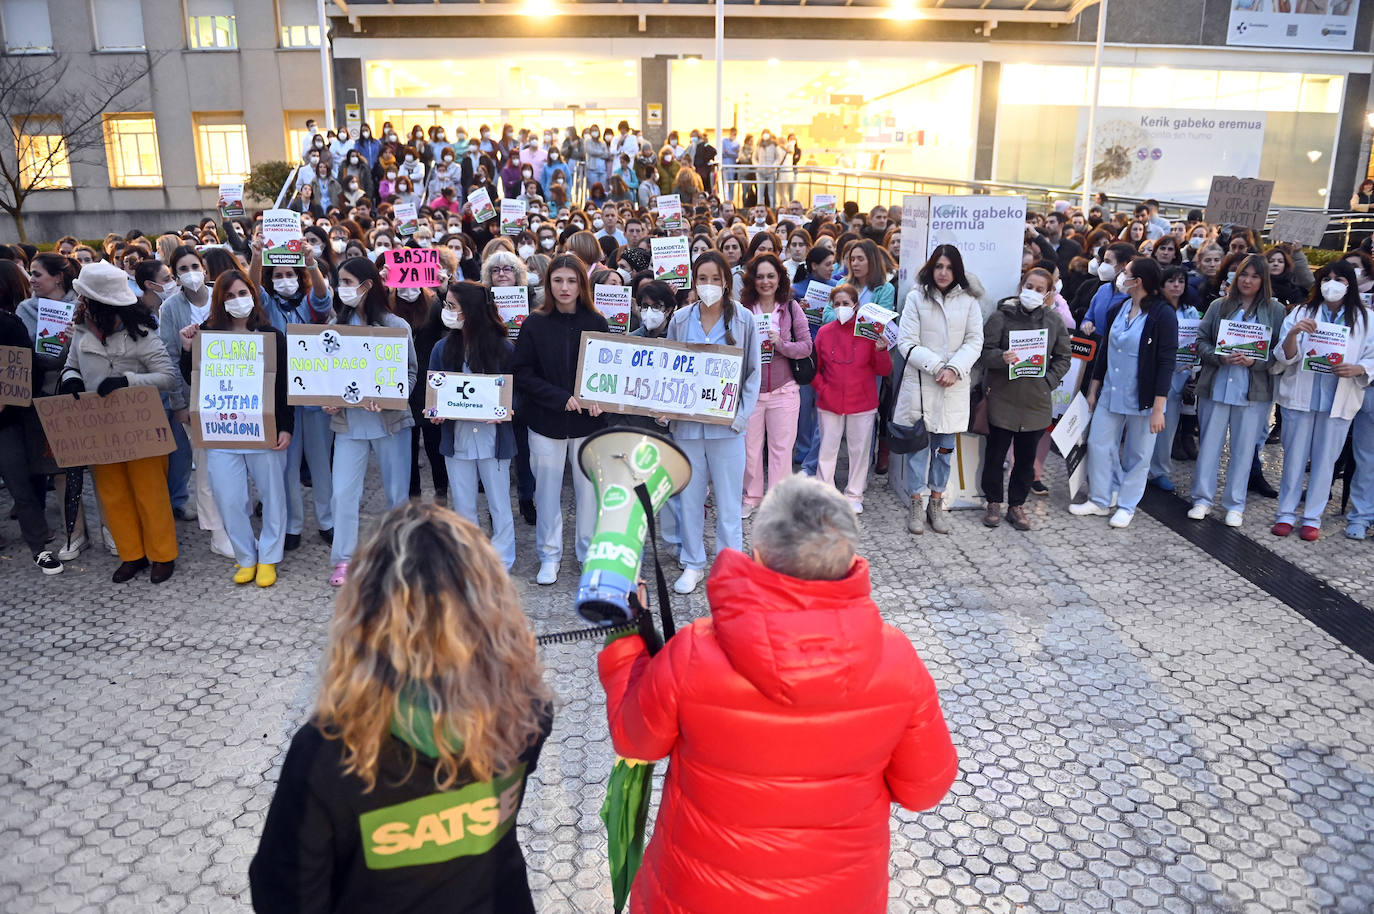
x: 480, y: 202
x: 16, y: 376
x: 669, y: 212
x: 813, y: 304
x: 614, y: 304
x: 876, y: 323
x: 1081, y: 349
x: 513, y: 304
x: 1070, y: 439
x: 1187, y: 341
x: 230, y: 199
x: 512, y: 216
x: 1242, y: 201
x: 129, y: 424
x: 1032, y: 352
x: 412, y: 268
x: 54, y: 326
x: 406, y: 218
x: 765, y: 325
x: 281, y: 239
x: 1243, y: 338
x: 1324, y: 348
x: 469, y: 397
x: 672, y: 261
x: 1299, y: 226
x: 336, y: 365
x: 234, y: 390
x: 658, y: 377
x: 823, y: 204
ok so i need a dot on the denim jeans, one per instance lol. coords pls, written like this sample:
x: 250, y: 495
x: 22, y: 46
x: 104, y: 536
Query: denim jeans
x: 928, y: 470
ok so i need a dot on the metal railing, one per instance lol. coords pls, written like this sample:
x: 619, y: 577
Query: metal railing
x: 874, y: 188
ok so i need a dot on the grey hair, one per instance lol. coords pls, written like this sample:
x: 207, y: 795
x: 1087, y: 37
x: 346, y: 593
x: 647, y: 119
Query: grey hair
x: 805, y: 529
x: 504, y: 259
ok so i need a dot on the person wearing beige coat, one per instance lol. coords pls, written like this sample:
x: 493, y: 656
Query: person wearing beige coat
x: 939, y: 343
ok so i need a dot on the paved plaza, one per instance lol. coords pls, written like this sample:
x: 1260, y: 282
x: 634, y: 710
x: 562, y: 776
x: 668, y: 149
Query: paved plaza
x: 1141, y: 728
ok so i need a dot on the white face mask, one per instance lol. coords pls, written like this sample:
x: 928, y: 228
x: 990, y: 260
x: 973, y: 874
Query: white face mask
x: 1195, y: 242
x: 410, y: 159
x: 1031, y: 299
x: 317, y: 250
x: 844, y: 313
x: 453, y: 320
x: 651, y: 318
x: 546, y: 243
x: 408, y: 294
x: 287, y: 287
x: 1106, y: 272
x: 625, y: 274
x: 597, y: 223
x: 166, y: 291
x: 424, y: 242
x: 578, y: 224
x: 1359, y: 274
x: 1093, y: 265
x: 1333, y: 290
x: 1059, y: 285
x: 239, y: 307
x: 709, y: 294
x: 526, y: 251
x: 338, y: 244
x: 192, y: 280
x: 349, y: 295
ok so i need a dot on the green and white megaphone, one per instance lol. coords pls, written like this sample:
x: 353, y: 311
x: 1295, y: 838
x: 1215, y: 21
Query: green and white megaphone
x: 618, y: 461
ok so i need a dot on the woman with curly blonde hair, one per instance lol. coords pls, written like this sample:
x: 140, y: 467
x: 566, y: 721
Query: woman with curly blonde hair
x: 431, y: 714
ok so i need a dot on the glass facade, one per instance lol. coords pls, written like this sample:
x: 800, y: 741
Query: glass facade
x: 131, y: 150
x: 221, y: 147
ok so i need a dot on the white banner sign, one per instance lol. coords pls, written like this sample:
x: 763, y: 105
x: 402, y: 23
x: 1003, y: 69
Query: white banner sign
x: 1325, y: 24
x: 469, y: 397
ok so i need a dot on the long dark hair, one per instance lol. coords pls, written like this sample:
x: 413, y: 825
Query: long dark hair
x: 1257, y: 263
x: 219, y: 318
x: 816, y: 254
x: 60, y: 265
x: 877, y: 265
x: 374, y: 306
x: 1352, y: 303
x: 1170, y: 274
x: 926, y: 277
x: 727, y: 304
x: 1148, y: 274
x: 14, y: 285
x: 482, y: 341
x: 749, y: 295
x: 104, y: 319
x: 584, y: 286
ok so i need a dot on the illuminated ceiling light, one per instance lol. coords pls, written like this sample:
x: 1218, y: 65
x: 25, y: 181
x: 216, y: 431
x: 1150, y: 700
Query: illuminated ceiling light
x: 772, y: 61
x: 904, y: 10
x: 1370, y: 117
x: 538, y: 8
x: 1313, y: 155
x: 853, y: 64
x: 694, y: 61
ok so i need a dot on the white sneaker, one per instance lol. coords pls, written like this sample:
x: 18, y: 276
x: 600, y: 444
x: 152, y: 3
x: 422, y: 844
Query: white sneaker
x: 220, y: 544
x: 858, y: 506
x: 108, y: 538
x: 1089, y: 508
x: 73, y: 547
x: 689, y: 580
x: 1198, y: 511
x: 746, y: 510
x: 1122, y: 518
x: 1234, y: 518
x: 548, y: 573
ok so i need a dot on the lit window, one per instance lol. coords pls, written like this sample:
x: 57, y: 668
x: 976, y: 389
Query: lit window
x: 300, y: 36
x: 210, y: 25
x: 27, y: 27
x: 42, y: 152
x: 297, y: 137
x: 131, y: 150
x: 118, y: 25
x: 221, y: 147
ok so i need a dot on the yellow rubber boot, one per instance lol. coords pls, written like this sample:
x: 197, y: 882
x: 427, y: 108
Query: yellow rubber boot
x: 244, y: 574
x: 267, y: 575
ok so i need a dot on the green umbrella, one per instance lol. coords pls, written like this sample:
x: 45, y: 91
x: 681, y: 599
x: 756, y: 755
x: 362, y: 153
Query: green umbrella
x: 625, y: 812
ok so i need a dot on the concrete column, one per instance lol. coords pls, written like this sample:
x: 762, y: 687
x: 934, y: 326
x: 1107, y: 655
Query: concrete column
x: 990, y: 80
x: 1352, y: 155
x: 653, y: 88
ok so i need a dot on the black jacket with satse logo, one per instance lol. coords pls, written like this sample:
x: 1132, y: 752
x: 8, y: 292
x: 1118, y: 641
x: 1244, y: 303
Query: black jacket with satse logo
x: 404, y: 848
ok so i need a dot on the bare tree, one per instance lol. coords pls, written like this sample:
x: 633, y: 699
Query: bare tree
x: 53, y: 118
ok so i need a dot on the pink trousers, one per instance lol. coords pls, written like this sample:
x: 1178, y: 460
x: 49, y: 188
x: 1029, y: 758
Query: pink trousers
x: 775, y: 416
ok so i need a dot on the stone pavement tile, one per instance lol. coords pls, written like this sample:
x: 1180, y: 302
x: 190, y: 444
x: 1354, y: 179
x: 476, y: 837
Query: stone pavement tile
x: 1140, y: 730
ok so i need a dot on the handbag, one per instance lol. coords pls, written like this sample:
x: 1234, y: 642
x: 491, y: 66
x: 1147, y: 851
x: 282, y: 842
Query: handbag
x: 804, y: 368
x: 908, y: 439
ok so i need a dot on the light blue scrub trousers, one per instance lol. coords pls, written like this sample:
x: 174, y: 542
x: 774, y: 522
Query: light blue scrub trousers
x: 1162, y: 463
x: 1119, y: 451
x: 229, y: 472
x: 350, y: 470
x: 1361, y: 514
x: 462, y: 494
x: 1315, y: 436
x: 721, y: 460
x: 1244, y: 423
x: 312, y: 440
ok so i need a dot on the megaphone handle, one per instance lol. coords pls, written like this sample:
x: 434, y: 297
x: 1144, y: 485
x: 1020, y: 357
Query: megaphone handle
x: 665, y: 611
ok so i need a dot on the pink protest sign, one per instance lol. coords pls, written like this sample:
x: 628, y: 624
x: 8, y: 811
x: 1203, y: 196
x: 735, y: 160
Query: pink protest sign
x: 412, y: 268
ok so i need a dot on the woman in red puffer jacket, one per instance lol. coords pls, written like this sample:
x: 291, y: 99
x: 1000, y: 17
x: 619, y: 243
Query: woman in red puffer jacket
x: 793, y: 718
x: 847, y: 367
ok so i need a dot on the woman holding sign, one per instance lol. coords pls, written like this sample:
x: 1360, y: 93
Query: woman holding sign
x: 1177, y: 425
x: 235, y: 308
x: 545, y: 370
x: 1134, y: 377
x: 366, y: 429
x: 113, y: 346
x: 476, y: 343
x: 717, y: 452
x: 1235, y: 385
x: 1327, y: 356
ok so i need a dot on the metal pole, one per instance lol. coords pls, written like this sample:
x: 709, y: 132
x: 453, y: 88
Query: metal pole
x: 1092, y: 107
x: 326, y: 79
x: 720, y: 86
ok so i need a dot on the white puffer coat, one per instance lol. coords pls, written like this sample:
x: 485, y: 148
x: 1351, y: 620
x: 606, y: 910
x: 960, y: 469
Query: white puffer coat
x: 940, y: 331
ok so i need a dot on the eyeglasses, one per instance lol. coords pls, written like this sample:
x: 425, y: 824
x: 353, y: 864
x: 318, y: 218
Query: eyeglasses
x: 503, y: 269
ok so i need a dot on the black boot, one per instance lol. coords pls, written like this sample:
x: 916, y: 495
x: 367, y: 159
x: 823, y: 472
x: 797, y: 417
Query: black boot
x: 527, y: 510
x: 1190, y: 432
x: 1258, y: 484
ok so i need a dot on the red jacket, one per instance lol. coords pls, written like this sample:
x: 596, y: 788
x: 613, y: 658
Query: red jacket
x: 793, y: 717
x: 845, y: 368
